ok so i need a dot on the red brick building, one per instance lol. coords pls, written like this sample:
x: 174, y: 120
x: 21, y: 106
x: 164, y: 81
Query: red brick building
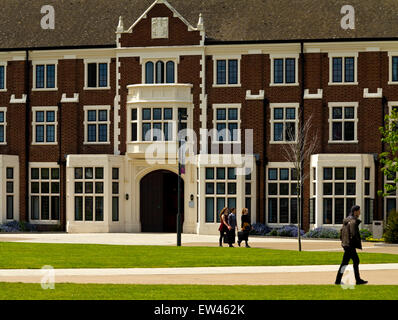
x: 89, y: 117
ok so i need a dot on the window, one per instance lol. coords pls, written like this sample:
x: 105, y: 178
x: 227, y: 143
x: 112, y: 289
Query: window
x: 157, y: 124
x: 343, y: 69
x: 96, y: 124
x: 3, y: 125
x: 44, y: 193
x: 249, y: 192
x: 284, y: 71
x: 3, y: 76
x: 281, y: 194
x: 394, y: 66
x: 45, y: 76
x: 227, y: 123
x: 226, y: 71
x: 284, y: 122
x: 44, y: 125
x: 343, y: 120
x: 10, y: 193
x: 97, y: 74
x: 89, y: 194
x: 220, y: 191
x: 115, y: 194
x: 339, y: 190
x: 161, y: 71
x: 369, y: 202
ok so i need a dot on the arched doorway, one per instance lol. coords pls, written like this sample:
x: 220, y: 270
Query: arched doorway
x: 158, y: 201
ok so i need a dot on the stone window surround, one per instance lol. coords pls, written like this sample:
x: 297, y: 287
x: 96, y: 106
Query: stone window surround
x: 165, y: 59
x: 343, y: 55
x: 86, y: 123
x: 226, y: 57
x: 4, y: 124
x: 97, y: 61
x: 45, y: 123
x: 272, y: 120
x: 45, y: 63
x: 4, y: 64
x: 330, y: 120
x: 215, y: 121
x: 284, y: 57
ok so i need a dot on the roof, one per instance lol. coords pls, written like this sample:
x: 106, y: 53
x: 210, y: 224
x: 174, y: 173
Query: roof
x: 94, y: 22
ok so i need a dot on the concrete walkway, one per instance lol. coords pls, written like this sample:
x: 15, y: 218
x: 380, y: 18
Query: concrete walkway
x: 386, y: 274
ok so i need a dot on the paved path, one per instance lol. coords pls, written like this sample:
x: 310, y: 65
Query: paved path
x: 265, y: 275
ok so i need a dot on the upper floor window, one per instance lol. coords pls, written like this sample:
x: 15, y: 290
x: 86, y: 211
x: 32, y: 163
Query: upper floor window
x: 2, y: 77
x: 3, y: 125
x: 393, y: 68
x: 45, y: 76
x: 44, y: 125
x: 227, y: 71
x: 227, y: 123
x: 160, y: 72
x: 97, y: 74
x: 96, y: 124
x: 343, y: 69
x: 284, y: 70
x: 343, y: 120
x: 284, y: 122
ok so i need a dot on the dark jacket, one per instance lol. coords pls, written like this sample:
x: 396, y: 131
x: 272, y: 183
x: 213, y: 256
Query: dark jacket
x: 350, y: 236
x: 232, y: 220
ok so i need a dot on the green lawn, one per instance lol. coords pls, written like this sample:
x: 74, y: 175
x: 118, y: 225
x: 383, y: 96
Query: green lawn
x: 20, y: 291
x: 35, y: 255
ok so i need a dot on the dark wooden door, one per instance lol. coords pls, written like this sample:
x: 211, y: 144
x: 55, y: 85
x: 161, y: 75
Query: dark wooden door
x: 158, y: 202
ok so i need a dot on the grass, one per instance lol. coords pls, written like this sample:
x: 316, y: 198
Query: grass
x: 35, y: 255
x: 63, y: 291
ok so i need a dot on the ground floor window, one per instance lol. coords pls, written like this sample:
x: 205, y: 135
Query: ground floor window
x: 44, y: 193
x: 115, y: 194
x: 390, y: 200
x: 220, y: 190
x: 10, y: 193
x: 89, y: 193
x: 281, y: 195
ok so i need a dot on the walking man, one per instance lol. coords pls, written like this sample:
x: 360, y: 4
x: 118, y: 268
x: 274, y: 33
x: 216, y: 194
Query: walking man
x: 350, y: 241
x: 233, y: 225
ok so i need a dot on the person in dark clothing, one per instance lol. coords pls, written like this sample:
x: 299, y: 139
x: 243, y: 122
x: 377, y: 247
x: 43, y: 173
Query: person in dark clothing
x: 350, y: 241
x: 224, y: 226
x: 246, y: 227
x: 233, y: 226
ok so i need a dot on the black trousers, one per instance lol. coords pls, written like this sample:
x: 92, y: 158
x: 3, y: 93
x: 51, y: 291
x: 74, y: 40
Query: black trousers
x: 222, y: 233
x: 231, y: 237
x: 349, y: 253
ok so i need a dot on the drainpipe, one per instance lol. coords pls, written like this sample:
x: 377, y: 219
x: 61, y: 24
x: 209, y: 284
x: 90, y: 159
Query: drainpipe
x: 27, y: 133
x: 302, y: 122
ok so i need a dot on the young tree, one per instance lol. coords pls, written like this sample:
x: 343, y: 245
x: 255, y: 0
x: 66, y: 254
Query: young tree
x: 302, y: 145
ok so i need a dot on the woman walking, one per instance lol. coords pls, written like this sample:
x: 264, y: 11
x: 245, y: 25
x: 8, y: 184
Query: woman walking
x: 224, y: 226
x: 246, y: 227
x: 232, y: 226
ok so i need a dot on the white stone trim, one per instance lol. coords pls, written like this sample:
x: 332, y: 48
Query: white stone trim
x: 343, y: 55
x: 378, y: 94
x: 75, y: 98
x: 4, y: 64
x: 7, y: 161
x: 284, y: 56
x: 250, y: 96
x: 44, y: 124
x: 355, y: 120
x: 226, y: 57
x: 45, y: 63
x: 97, y: 61
x: 308, y: 95
x: 4, y: 124
x: 21, y: 100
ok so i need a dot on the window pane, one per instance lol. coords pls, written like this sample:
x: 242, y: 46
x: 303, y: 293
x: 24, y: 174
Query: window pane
x: 78, y: 187
x: 88, y: 187
x: 367, y: 189
x: 290, y: 113
x: 391, y: 205
x: 337, y: 113
x: 51, y: 76
x: 78, y: 173
x: 45, y: 208
x: 293, y: 189
x: 102, y: 115
x: 92, y: 133
x: 10, y: 207
x: 339, y: 173
x: 54, y: 208
x: 134, y: 133
x: 39, y: 116
x: 349, y: 113
x: 209, y: 209
x: 273, y: 189
x: 78, y: 208
x: 290, y: 133
x: 146, y: 114
x: 168, y: 114
x: 10, y: 173
x: 149, y: 72
x: 394, y: 68
x: 337, y: 133
x: 209, y: 188
x: 99, y: 208
x: 349, y: 69
x: 367, y: 173
x: 35, y: 187
x: 232, y: 71
x: 210, y: 173
x: 232, y: 188
x: 327, y: 189
x: 10, y: 187
x: 55, y: 173
x: 1, y: 133
x: 278, y: 71
x: 233, y: 131
x: 337, y: 70
x: 284, y: 174
x: 88, y: 208
x: 231, y: 174
x: 50, y: 133
x: 157, y: 132
x: 284, y: 189
x: 2, y: 84
x: 339, y: 211
x: 278, y: 113
x: 327, y: 211
x: 221, y: 114
x: 115, y: 208
x: 50, y: 116
x: 115, y: 173
x: 170, y: 72
x: 220, y: 188
x: 34, y: 208
x: 157, y: 114
x: 92, y: 115
x: 351, y: 189
x: 272, y: 210
x: 103, y: 132
x: 103, y: 75
x: 349, y: 131
x: 89, y: 173
x: 39, y: 133
x: 99, y: 187
x: 278, y: 131
x: 339, y: 189
x: 220, y: 206
x: 221, y: 72
x: 92, y: 75
x: 351, y: 173
x: 293, y: 210
x: 54, y: 187
x: 272, y: 174
x: 294, y: 174
x: 284, y: 210
x: 327, y: 174
x: 290, y: 70
x: 115, y: 187
x: 146, y: 132
x: 233, y: 114
x: 99, y: 173
x: 45, y: 173
x: 248, y: 188
x: 221, y: 173
x: 40, y: 76
x: 231, y: 202
x: 160, y: 72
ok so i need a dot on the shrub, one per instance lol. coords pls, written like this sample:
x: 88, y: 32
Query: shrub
x: 365, y: 233
x: 260, y: 229
x: 391, y: 230
x: 273, y: 233
x: 323, y: 232
x: 286, y: 231
x: 15, y: 226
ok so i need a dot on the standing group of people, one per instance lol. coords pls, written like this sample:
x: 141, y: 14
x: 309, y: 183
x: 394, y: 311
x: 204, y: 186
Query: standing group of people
x: 228, y: 225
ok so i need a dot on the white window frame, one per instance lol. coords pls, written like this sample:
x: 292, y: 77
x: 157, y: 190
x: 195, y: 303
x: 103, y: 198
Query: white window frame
x: 226, y: 58
x: 34, y: 124
x: 13, y: 194
x: 215, y: 121
x: 154, y: 61
x: 97, y: 61
x: 284, y: 57
x: 114, y: 195
x: 45, y: 63
x: 97, y: 123
x: 272, y: 121
x: 391, y: 54
x: 4, y: 64
x: 4, y: 124
x: 44, y: 165
x: 278, y: 166
x: 355, y: 120
x: 343, y: 55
